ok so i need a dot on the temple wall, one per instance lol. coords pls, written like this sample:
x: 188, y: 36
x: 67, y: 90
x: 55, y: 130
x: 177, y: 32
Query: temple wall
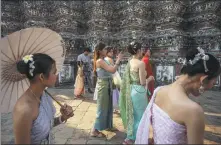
x: 169, y: 27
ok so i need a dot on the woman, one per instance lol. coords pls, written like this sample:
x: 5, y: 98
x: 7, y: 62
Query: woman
x: 109, y: 59
x: 79, y: 89
x: 146, y: 60
x: 175, y: 118
x: 133, y: 94
x: 33, y: 114
x: 104, y: 73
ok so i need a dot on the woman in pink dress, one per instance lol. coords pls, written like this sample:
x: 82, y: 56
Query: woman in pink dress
x: 174, y: 117
x: 79, y: 89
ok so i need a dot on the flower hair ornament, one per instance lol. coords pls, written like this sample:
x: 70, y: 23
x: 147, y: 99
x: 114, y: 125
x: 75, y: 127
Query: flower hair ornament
x: 198, y: 56
x: 29, y: 59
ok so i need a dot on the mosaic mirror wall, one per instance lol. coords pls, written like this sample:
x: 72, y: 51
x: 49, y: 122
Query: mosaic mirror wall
x: 168, y: 27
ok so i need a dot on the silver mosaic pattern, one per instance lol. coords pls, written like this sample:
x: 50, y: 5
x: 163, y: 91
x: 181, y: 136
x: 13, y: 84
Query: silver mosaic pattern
x: 169, y: 27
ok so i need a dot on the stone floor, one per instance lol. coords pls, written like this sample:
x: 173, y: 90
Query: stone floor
x: 77, y: 129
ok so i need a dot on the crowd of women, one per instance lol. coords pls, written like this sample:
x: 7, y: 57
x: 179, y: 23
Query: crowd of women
x: 168, y: 110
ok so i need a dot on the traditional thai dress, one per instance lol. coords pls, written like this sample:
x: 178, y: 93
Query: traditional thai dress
x: 79, y: 82
x: 149, y: 73
x: 87, y: 69
x: 104, y: 118
x: 165, y: 130
x: 42, y: 126
x: 116, y: 92
x: 133, y: 101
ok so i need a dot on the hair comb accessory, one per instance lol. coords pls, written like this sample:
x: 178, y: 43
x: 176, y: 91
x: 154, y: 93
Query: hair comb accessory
x: 198, y: 56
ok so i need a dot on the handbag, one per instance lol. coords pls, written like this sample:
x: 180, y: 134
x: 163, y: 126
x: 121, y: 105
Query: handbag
x: 116, y: 79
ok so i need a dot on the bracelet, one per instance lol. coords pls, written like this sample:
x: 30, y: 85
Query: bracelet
x: 61, y: 121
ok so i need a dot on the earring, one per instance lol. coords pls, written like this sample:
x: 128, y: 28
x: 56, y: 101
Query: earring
x: 201, y: 89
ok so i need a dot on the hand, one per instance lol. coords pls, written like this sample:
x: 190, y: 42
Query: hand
x: 66, y: 112
x: 120, y: 56
x: 151, y: 78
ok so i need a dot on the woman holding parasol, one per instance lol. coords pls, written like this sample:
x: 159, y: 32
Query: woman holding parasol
x: 33, y: 114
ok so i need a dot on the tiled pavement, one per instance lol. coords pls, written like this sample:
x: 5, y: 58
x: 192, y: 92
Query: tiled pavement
x: 77, y: 129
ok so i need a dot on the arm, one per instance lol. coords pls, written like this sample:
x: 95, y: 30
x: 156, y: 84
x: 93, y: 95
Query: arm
x: 57, y: 120
x: 111, y: 61
x: 142, y: 73
x: 146, y: 61
x: 102, y: 64
x: 66, y: 113
x: 22, y: 124
x: 195, y: 125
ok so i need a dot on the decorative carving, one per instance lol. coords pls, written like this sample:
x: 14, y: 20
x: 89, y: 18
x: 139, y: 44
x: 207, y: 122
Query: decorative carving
x: 164, y: 74
x: 169, y: 27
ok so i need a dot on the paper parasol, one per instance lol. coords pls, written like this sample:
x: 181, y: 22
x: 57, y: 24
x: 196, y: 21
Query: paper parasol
x: 13, y: 48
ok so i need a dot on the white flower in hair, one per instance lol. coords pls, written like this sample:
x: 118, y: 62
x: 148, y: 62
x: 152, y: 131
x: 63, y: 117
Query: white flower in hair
x: 180, y: 60
x: 31, y: 72
x: 205, y: 57
x: 201, y: 51
x: 191, y: 62
x: 184, y: 61
x: 31, y: 65
x: 31, y: 68
x: 27, y: 58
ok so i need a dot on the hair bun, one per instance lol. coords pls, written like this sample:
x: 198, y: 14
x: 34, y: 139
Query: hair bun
x: 191, y: 53
x: 133, y: 47
x: 22, y: 67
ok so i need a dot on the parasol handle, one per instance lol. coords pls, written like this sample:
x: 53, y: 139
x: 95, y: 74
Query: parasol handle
x: 53, y: 98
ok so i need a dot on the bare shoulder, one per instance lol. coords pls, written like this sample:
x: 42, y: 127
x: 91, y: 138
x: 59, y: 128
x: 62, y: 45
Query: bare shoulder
x: 99, y: 61
x: 141, y: 64
x: 193, y: 110
x: 23, y: 107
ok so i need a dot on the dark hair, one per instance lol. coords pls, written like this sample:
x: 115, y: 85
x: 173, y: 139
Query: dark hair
x: 99, y: 47
x: 212, y: 64
x: 109, y: 48
x: 145, y: 49
x: 42, y: 63
x: 87, y: 49
x: 133, y: 48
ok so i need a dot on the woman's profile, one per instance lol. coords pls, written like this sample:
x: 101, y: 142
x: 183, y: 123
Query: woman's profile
x: 33, y: 114
x: 174, y: 117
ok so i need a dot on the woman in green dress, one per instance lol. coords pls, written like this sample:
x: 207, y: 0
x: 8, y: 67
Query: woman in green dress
x: 133, y: 94
x: 103, y: 71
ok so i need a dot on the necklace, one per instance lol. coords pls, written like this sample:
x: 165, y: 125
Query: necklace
x: 40, y: 102
x: 35, y: 96
x: 50, y: 137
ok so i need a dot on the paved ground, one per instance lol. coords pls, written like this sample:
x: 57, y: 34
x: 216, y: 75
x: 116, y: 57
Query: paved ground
x: 77, y: 129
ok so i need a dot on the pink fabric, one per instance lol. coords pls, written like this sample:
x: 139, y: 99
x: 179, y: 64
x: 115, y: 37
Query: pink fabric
x: 165, y: 130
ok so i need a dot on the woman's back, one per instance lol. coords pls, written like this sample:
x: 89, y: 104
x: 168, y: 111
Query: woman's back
x: 171, y: 114
x: 137, y: 71
x: 179, y: 114
x: 167, y: 123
